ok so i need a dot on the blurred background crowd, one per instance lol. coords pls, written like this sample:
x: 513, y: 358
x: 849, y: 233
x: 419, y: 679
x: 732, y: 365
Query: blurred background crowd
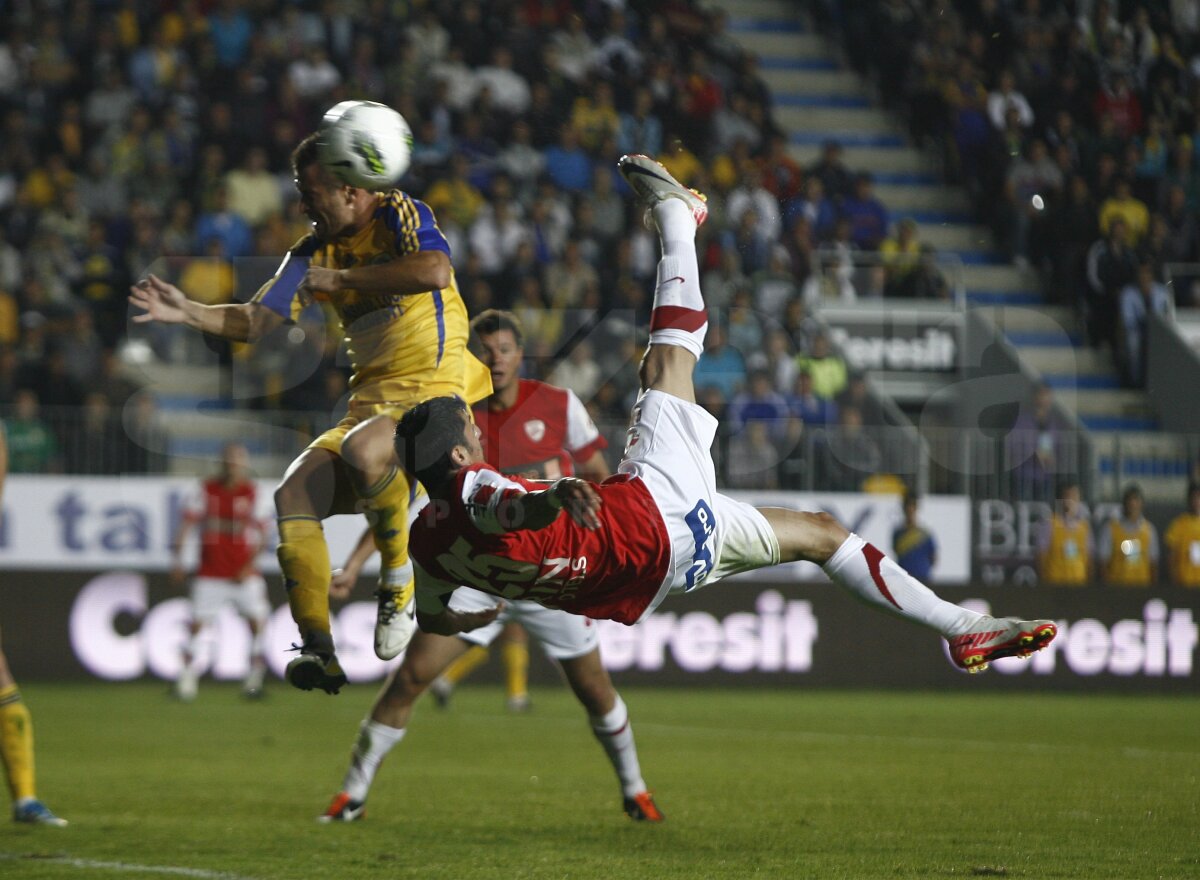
x: 142, y: 136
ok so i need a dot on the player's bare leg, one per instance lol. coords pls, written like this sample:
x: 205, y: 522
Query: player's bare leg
x: 315, y: 486
x: 383, y: 492
x: 609, y: 717
x: 252, y: 684
x: 188, y: 683
x: 426, y: 657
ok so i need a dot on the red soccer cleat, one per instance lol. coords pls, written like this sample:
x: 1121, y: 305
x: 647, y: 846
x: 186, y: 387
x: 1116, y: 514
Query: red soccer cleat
x: 641, y: 808
x: 996, y: 637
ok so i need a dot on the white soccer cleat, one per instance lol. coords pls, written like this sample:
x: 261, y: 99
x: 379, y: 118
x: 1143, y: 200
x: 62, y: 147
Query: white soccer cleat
x: 995, y: 637
x: 652, y: 183
x: 395, y: 619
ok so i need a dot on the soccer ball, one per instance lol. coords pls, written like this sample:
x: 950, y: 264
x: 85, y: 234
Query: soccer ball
x: 365, y: 144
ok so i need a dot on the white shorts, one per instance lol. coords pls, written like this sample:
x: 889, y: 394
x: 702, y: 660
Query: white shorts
x: 712, y: 536
x: 563, y: 636
x: 248, y: 597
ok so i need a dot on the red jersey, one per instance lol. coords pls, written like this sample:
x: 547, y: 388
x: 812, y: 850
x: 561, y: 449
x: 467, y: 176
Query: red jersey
x: 541, y: 436
x: 230, y: 531
x: 612, y: 572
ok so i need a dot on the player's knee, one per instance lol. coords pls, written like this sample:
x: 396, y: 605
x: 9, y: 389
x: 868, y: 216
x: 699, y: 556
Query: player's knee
x: 406, y: 685
x: 288, y: 498
x: 830, y: 530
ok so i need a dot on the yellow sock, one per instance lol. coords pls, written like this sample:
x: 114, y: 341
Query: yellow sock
x: 16, y: 743
x: 475, y: 657
x: 304, y: 561
x: 386, y: 507
x: 515, y: 656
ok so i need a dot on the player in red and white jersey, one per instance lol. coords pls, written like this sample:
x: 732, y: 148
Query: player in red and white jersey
x: 658, y: 527
x: 570, y: 640
x: 532, y: 429
x: 225, y: 512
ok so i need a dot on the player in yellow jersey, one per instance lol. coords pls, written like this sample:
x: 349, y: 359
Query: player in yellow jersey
x: 384, y: 265
x: 16, y: 729
x: 1183, y: 542
x: 1129, y: 545
x: 1064, y: 543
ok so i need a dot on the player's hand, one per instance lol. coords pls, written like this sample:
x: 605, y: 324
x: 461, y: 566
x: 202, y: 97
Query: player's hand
x: 159, y: 301
x: 319, y: 282
x: 343, y: 582
x: 450, y: 622
x: 580, y: 500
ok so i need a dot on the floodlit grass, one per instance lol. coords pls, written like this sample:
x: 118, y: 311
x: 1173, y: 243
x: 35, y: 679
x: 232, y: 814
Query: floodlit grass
x: 762, y: 784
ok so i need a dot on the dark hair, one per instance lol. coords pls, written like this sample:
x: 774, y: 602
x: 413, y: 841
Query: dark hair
x: 1067, y: 483
x: 493, y: 321
x: 1133, y: 489
x: 1193, y: 488
x: 427, y: 434
x: 305, y: 153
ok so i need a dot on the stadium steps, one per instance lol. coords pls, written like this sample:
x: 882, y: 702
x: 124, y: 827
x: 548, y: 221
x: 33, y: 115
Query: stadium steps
x: 1159, y: 463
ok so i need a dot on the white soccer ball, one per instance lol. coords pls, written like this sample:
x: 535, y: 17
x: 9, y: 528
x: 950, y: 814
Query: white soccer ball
x: 365, y: 144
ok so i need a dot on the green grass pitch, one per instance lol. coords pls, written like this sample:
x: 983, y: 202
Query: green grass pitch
x: 755, y: 784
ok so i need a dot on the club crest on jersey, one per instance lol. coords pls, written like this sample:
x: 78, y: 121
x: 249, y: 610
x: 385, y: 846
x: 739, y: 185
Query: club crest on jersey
x: 535, y: 430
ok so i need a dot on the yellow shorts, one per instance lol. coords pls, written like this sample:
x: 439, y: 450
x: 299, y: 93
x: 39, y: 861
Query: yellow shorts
x: 332, y: 439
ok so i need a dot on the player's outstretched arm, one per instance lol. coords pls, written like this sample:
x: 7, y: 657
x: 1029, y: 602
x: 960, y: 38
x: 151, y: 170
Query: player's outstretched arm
x: 344, y: 578
x: 536, y: 510
x: 412, y: 273
x: 165, y: 303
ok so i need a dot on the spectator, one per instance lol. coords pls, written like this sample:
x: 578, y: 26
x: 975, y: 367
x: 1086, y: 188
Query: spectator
x: 453, y: 198
x: 1064, y: 542
x: 1128, y: 545
x: 811, y: 410
x: 782, y: 175
x: 742, y: 323
x: 814, y: 207
x: 1139, y: 300
x: 827, y: 368
x: 567, y: 164
x: 1182, y: 540
x: 1132, y: 210
x: 314, y: 76
x: 867, y: 216
x: 1118, y: 101
x: 750, y: 196
x: 1035, y: 448
x: 836, y: 179
x: 1111, y: 265
x: 721, y: 366
x: 849, y: 455
x: 521, y: 161
x: 773, y: 286
x: 1071, y: 227
x: 913, y: 545
x: 495, y: 236
x: 579, y: 372
x: 509, y: 90
x: 759, y: 402
x: 32, y: 448
x: 901, y: 257
x: 1034, y: 183
x: 253, y: 192
x: 1005, y: 98
x: 569, y: 280
x: 595, y: 118
x: 641, y: 129
x: 223, y: 226
x: 753, y: 459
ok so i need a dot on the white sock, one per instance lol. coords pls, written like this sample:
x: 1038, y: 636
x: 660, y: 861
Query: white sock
x: 678, y: 316
x: 374, y: 741
x: 616, y: 736
x: 863, y: 570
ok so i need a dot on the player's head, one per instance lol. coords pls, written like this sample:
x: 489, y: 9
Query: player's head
x: 910, y: 506
x: 332, y: 206
x: 235, y: 462
x: 1131, y: 501
x: 1069, y: 496
x: 436, y: 439
x: 1193, y: 497
x: 497, y: 340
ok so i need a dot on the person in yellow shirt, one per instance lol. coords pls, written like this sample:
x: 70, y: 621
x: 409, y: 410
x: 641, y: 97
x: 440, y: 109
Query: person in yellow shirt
x: 1133, y: 211
x: 901, y: 255
x: 16, y: 729
x: 1129, y: 545
x: 1064, y: 542
x: 1183, y: 542
x: 383, y: 264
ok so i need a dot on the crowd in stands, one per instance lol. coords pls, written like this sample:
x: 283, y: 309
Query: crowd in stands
x: 1074, y: 123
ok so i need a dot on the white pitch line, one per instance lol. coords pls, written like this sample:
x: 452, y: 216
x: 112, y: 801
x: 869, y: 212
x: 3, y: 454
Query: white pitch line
x: 126, y: 867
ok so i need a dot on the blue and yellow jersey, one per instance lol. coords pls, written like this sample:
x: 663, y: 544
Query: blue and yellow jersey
x: 916, y: 551
x: 403, y: 348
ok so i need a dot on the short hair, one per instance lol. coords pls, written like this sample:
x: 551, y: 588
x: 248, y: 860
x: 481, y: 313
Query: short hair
x: 910, y: 497
x: 1067, y: 483
x: 494, y: 320
x: 427, y: 434
x: 1192, y: 489
x: 305, y: 153
x: 1131, y: 491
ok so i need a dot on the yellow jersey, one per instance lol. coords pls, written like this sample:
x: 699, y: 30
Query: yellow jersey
x: 403, y: 348
x: 1183, y: 540
x: 1129, y: 551
x: 1065, y: 557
